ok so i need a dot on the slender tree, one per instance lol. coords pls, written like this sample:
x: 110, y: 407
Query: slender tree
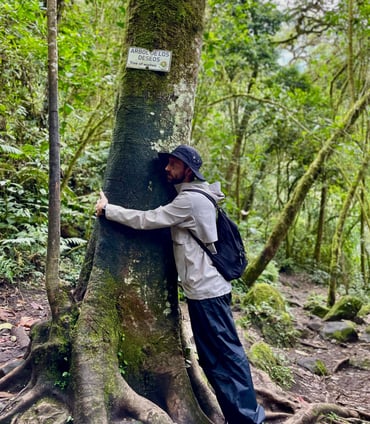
x: 53, y: 250
x: 321, y: 222
x: 338, y: 234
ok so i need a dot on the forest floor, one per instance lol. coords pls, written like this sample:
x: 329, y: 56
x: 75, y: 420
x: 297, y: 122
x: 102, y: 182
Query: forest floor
x: 345, y: 385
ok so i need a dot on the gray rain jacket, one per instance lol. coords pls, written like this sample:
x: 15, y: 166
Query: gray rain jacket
x: 188, y: 211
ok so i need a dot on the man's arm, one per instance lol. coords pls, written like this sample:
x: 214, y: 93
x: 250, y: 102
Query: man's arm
x: 164, y: 216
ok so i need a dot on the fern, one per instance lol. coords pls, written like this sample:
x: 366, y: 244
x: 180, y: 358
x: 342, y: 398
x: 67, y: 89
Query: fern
x: 70, y: 244
x: 23, y: 241
x: 7, y: 268
x: 6, y: 148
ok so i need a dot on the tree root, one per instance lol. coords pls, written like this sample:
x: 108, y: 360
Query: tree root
x: 282, y: 405
x: 132, y: 404
x: 17, y: 376
x: 272, y: 396
x: 312, y: 412
x: 26, y: 398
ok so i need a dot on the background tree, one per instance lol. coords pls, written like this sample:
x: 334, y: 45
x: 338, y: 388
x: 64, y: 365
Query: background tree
x: 53, y: 250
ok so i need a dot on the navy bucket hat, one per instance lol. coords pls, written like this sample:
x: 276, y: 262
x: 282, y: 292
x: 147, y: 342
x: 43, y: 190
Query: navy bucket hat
x: 189, y: 156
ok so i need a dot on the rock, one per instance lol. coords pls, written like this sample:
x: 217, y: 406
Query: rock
x: 319, y: 310
x: 365, y: 335
x: 364, y: 313
x: 263, y: 293
x: 361, y: 363
x: 315, y: 325
x: 262, y: 356
x: 21, y: 336
x: 266, y: 310
x: 315, y: 307
x: 346, y: 308
x: 316, y: 366
x: 46, y: 411
x: 342, y: 331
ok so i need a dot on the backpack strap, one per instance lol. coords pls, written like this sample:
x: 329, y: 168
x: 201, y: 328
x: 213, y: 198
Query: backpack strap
x: 205, y: 194
x: 201, y: 244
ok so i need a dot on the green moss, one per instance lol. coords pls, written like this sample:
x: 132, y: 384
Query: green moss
x: 167, y: 27
x: 263, y: 293
x: 346, y: 334
x: 361, y: 363
x: 346, y: 308
x: 364, y: 311
x: 262, y: 356
x: 316, y: 305
x: 47, y: 410
x: 265, y: 308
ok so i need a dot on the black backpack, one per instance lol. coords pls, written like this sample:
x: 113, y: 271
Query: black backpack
x: 230, y: 259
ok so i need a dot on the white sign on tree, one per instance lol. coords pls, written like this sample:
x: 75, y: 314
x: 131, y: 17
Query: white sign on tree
x: 155, y: 60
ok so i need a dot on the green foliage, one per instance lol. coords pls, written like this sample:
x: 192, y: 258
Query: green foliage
x: 262, y: 356
x: 320, y: 368
x: 87, y: 74
x: 316, y: 304
x: 64, y: 380
x: 266, y: 309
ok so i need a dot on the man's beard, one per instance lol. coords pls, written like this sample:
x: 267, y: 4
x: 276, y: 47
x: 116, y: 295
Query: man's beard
x: 175, y: 181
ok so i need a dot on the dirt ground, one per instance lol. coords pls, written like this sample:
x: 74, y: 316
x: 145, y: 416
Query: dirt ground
x: 346, y: 385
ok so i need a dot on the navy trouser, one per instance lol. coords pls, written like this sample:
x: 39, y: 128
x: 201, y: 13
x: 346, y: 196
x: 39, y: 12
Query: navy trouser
x: 222, y: 357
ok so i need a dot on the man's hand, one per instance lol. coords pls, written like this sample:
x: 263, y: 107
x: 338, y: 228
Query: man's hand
x: 101, y: 204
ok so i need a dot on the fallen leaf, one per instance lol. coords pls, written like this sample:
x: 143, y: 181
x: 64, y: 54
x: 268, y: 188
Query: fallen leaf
x: 27, y: 322
x: 4, y: 313
x: 37, y: 306
x: 6, y: 326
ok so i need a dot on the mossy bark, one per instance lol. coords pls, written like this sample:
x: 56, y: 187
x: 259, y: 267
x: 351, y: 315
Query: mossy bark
x: 129, y: 319
x: 125, y: 358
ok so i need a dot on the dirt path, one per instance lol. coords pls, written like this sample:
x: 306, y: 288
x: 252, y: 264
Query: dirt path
x: 20, y: 308
x: 347, y: 385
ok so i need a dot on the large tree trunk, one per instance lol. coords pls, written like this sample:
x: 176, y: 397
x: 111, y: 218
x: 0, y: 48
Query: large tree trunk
x: 118, y: 349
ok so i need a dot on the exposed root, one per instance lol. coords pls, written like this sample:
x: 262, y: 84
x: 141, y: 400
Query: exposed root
x: 17, y: 377
x: 277, y: 416
x: 132, y: 404
x: 276, y: 401
x: 22, y: 401
x: 343, y: 363
x: 272, y: 396
x: 312, y: 412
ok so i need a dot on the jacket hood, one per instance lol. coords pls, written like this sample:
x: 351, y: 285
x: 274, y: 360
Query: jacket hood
x: 213, y: 189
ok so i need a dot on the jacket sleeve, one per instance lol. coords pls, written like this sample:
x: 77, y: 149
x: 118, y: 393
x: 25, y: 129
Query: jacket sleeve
x: 164, y: 216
